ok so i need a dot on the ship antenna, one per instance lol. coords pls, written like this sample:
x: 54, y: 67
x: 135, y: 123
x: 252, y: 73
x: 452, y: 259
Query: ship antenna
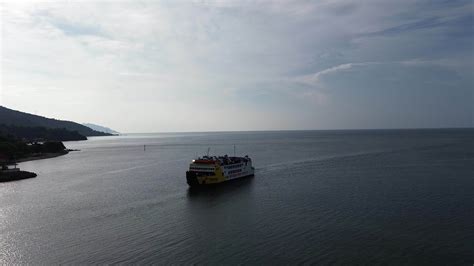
x: 234, y: 150
x: 208, y: 149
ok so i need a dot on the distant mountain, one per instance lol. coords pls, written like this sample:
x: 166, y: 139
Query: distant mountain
x: 100, y: 128
x: 16, y: 118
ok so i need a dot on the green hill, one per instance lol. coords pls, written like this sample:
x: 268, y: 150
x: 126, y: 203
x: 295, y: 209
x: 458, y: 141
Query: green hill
x: 20, y: 119
x: 39, y: 133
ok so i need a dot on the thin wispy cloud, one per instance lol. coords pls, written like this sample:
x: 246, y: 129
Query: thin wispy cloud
x: 314, y: 79
x: 423, y: 24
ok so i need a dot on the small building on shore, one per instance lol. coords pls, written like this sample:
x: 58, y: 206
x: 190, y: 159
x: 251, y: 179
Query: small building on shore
x: 10, y: 172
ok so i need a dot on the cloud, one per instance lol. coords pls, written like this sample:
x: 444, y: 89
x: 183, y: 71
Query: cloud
x: 448, y: 63
x: 426, y: 23
x: 315, y: 78
x: 259, y: 55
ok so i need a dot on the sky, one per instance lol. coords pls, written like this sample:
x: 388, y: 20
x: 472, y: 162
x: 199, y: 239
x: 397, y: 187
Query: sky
x: 168, y: 66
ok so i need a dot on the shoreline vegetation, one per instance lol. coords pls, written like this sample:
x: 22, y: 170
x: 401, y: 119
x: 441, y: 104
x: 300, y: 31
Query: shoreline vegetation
x: 15, y: 174
x: 14, y: 151
x: 43, y: 156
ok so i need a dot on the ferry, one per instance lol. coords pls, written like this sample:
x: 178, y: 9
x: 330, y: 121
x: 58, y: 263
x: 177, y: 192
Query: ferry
x: 208, y: 170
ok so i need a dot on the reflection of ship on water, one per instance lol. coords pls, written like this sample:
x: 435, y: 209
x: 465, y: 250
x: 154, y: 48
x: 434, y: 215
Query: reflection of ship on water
x: 240, y: 185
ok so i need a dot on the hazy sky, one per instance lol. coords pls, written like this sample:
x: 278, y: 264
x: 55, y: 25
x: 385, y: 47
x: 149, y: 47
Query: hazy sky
x: 149, y: 66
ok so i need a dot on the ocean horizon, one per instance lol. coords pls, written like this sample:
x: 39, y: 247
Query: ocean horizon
x: 342, y: 197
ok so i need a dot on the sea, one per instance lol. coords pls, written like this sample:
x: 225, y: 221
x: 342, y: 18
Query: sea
x: 391, y: 197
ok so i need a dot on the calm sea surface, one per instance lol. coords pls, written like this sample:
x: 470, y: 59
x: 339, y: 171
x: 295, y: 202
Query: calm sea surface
x: 344, y: 197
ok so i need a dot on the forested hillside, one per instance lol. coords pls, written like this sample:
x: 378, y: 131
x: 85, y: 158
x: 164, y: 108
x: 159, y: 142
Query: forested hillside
x: 11, y: 117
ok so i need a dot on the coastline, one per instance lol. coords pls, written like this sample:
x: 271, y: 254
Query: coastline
x: 19, y: 175
x: 14, y: 176
x: 43, y: 156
